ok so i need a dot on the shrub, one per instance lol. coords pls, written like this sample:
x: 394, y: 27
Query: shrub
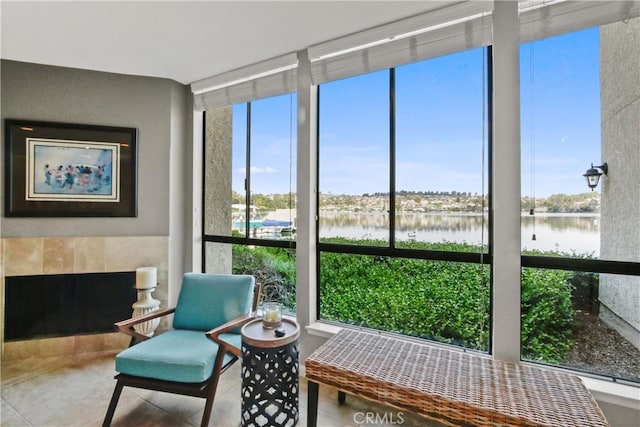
x: 274, y: 268
x: 439, y: 300
x: 429, y: 299
x: 547, y: 314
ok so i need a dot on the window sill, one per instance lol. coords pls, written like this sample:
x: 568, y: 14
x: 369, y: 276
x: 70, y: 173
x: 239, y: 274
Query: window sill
x: 627, y: 396
x: 322, y: 329
x: 623, y: 395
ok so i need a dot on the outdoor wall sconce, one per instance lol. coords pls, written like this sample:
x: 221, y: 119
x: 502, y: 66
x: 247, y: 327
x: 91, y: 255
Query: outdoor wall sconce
x: 592, y: 175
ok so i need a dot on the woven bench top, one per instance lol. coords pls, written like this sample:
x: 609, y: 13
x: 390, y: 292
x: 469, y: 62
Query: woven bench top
x: 451, y: 386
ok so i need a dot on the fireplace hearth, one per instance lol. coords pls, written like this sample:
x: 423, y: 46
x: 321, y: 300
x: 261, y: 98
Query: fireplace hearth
x: 44, y: 306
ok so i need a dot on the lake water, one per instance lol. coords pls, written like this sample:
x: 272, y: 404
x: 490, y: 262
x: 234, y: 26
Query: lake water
x: 578, y: 233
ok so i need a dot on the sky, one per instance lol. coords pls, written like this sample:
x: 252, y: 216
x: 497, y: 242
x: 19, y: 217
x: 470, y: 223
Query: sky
x: 440, y: 125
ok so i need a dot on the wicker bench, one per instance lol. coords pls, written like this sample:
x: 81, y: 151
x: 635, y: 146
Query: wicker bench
x: 452, y: 387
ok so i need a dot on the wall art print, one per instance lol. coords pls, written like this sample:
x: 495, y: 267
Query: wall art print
x: 74, y: 170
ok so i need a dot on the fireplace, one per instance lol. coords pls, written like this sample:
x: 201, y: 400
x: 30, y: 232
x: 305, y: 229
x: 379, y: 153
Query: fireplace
x: 59, y: 305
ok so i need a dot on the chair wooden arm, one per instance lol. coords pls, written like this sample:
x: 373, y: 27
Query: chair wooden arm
x: 126, y: 326
x: 214, y: 334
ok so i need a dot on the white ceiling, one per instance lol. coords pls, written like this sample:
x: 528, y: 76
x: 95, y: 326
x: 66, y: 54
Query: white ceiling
x: 181, y: 40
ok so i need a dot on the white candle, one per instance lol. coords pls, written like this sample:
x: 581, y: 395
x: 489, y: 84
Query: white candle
x: 146, y: 277
x: 272, y: 314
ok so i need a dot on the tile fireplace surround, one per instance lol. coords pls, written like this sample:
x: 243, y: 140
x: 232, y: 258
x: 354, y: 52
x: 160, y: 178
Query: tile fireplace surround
x: 64, y: 255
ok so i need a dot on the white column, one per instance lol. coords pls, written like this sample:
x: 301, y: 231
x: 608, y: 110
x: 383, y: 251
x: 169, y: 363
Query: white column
x: 306, y: 195
x: 506, y: 182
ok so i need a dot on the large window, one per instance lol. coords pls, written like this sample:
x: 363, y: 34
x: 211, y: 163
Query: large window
x: 441, y: 150
x: 576, y: 112
x: 354, y: 158
x: 250, y: 196
x: 401, y: 238
x: 263, y: 167
x: 402, y: 215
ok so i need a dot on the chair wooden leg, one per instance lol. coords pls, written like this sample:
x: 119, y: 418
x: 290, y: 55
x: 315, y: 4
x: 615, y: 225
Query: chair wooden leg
x: 112, y: 405
x: 213, y: 385
x: 208, y: 406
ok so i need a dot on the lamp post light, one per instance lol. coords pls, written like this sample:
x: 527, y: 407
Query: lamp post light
x: 592, y: 175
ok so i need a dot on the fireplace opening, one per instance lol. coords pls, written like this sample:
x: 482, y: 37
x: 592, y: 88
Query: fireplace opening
x: 45, y: 306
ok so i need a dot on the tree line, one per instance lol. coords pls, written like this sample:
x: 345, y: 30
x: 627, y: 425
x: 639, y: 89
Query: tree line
x: 556, y: 203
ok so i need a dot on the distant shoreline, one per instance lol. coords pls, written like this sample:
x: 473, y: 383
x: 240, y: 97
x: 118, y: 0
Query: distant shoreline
x: 462, y: 213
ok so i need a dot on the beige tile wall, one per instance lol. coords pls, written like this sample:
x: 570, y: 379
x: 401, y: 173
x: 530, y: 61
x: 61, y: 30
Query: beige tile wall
x: 65, y: 255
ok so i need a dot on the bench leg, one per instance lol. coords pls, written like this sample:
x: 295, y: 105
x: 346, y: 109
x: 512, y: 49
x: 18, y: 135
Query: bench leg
x: 342, y: 396
x: 312, y: 404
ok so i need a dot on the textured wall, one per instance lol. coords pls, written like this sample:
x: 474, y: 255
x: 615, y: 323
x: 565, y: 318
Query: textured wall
x: 218, y: 175
x: 620, y: 219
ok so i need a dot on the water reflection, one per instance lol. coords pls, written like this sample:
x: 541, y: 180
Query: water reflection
x: 569, y: 233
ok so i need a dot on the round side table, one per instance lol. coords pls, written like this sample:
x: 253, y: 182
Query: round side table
x: 270, y: 375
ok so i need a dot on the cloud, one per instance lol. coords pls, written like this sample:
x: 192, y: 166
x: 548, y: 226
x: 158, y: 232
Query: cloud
x: 258, y: 170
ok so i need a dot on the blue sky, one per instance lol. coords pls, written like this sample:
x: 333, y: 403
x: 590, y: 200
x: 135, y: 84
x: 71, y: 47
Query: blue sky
x: 439, y: 125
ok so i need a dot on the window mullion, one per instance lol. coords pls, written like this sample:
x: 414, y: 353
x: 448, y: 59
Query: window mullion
x: 392, y: 158
x: 247, y: 176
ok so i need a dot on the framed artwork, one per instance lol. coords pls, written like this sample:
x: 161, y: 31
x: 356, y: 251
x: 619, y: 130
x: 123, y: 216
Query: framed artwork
x: 69, y: 170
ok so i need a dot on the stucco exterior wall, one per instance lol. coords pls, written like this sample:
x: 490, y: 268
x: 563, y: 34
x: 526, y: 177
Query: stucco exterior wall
x: 620, y: 219
x: 217, y: 198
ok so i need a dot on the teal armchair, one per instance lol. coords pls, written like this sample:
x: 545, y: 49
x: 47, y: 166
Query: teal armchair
x: 203, y: 343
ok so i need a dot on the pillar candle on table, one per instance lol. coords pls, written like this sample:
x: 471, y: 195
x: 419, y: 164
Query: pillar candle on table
x: 146, y: 277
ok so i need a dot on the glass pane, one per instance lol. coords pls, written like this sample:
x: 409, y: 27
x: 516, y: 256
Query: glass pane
x: 239, y: 171
x: 354, y: 158
x: 576, y: 113
x: 578, y: 320
x: 273, y: 167
x: 273, y: 268
x: 437, y: 300
x: 441, y: 150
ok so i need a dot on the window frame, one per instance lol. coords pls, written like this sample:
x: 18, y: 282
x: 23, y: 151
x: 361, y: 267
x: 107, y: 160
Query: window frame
x: 391, y: 250
x: 505, y: 32
x: 245, y: 240
x: 574, y: 264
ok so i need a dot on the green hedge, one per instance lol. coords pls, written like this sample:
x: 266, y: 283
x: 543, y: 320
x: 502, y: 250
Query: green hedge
x: 430, y: 299
x: 443, y: 301
x: 547, y: 314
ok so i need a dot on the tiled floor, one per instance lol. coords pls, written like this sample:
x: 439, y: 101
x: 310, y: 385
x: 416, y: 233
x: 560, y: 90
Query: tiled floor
x: 66, y: 391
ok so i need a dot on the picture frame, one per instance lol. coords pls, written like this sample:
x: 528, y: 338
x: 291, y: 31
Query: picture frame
x: 69, y: 170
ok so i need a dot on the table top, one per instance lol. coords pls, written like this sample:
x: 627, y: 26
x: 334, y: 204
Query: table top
x: 254, y: 334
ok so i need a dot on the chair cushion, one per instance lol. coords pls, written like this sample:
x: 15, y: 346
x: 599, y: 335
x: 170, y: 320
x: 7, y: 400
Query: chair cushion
x: 207, y: 301
x: 176, y: 355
